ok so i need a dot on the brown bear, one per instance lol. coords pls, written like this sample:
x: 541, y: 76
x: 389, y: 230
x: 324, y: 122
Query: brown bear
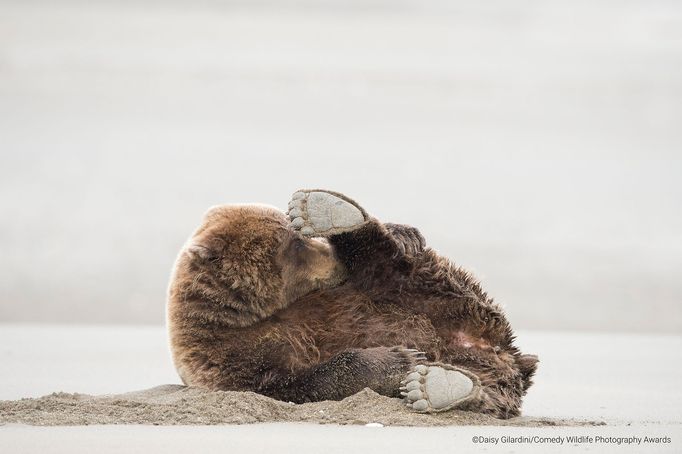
x: 326, y: 301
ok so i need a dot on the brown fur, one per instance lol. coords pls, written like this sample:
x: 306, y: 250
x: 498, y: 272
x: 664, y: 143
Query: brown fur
x: 254, y: 306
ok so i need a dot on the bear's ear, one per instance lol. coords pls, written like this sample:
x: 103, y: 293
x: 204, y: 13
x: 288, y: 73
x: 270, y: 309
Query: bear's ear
x: 201, y: 251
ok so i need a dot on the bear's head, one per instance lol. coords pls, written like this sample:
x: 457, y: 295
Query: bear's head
x: 244, y: 263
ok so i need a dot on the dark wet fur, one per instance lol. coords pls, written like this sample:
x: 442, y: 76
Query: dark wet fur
x: 234, y: 324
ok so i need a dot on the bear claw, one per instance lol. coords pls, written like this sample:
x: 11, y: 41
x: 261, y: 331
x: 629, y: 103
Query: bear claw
x: 319, y: 212
x: 434, y: 388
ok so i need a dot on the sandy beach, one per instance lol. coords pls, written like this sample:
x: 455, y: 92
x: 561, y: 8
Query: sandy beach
x: 309, y: 438
x: 180, y: 405
x: 86, y: 374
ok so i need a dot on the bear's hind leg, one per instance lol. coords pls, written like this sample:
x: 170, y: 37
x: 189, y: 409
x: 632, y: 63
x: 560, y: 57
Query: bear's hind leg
x: 435, y: 387
x: 378, y: 368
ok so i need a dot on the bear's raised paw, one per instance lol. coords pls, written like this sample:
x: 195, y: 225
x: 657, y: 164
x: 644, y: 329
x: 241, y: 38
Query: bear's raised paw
x: 317, y: 212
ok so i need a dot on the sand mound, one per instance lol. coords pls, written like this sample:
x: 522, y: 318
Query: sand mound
x: 175, y: 404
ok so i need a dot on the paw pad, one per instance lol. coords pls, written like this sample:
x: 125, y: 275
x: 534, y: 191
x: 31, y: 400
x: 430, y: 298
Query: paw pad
x: 434, y: 388
x: 318, y: 212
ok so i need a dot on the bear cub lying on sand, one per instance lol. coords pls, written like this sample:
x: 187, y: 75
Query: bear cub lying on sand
x: 326, y: 301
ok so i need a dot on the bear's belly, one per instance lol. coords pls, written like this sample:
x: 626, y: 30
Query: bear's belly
x: 462, y: 340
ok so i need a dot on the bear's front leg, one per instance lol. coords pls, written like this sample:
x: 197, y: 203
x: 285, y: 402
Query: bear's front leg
x: 362, y: 243
x: 318, y: 212
x: 346, y: 373
x: 409, y: 239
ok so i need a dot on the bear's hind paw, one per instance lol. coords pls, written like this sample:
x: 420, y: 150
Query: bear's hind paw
x: 438, y: 387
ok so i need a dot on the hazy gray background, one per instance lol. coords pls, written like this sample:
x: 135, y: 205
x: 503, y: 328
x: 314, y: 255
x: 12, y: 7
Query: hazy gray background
x: 537, y: 143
